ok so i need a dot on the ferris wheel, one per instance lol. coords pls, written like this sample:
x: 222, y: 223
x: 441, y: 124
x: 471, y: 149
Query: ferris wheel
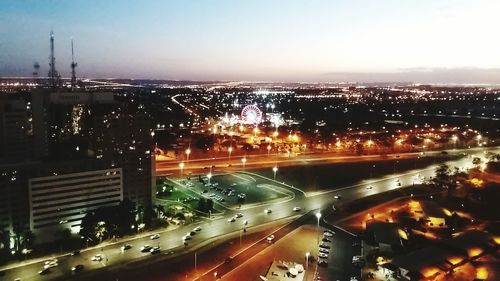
x: 251, y: 114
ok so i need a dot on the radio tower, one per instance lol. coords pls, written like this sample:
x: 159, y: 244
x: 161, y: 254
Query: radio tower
x: 53, y: 75
x: 73, y: 66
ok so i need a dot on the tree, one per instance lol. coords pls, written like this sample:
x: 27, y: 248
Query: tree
x: 64, y: 236
x: 100, y: 230
x: 442, y: 178
x: 202, y: 204
x: 28, y: 238
x: 210, y: 205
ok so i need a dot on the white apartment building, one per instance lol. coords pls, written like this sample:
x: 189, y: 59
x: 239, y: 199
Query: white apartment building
x: 61, y: 201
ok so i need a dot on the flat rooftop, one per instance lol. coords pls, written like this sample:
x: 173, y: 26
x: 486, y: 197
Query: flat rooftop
x: 280, y: 271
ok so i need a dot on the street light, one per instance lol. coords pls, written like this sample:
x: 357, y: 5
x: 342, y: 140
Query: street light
x: 229, y: 150
x: 307, y: 260
x: 275, y: 169
x: 209, y: 176
x: 244, y: 160
x: 181, y: 166
x: 318, y: 216
x: 268, y: 149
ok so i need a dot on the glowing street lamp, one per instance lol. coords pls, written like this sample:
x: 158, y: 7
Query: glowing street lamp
x: 181, y: 166
x: 307, y: 259
x: 229, y: 150
x: 318, y: 216
x: 244, y: 161
x: 209, y: 176
x: 275, y: 169
x: 268, y: 149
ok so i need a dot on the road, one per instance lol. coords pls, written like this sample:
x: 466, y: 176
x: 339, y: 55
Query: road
x: 115, y: 260
x: 197, y: 166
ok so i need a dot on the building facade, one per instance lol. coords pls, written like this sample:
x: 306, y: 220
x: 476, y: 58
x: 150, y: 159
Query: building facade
x: 61, y: 201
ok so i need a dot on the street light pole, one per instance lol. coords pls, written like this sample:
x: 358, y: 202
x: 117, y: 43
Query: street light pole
x: 318, y: 216
x: 244, y: 161
x: 307, y: 260
x: 275, y: 169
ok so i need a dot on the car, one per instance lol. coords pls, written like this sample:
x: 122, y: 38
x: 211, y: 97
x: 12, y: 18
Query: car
x: 239, y: 215
x: 126, y: 247
x: 245, y: 222
x: 268, y: 211
x: 97, y: 257
x: 228, y: 260
x: 296, y: 209
x: 326, y: 239
x: 186, y: 237
x: 44, y: 271
x: 198, y: 228
x: 232, y: 219
x: 154, y: 250
x: 323, y: 250
x: 328, y: 233
x: 154, y: 236
x: 77, y: 267
x: 50, y: 263
x: 233, y: 184
x: 322, y: 262
x: 324, y: 245
x: 396, y: 180
x: 191, y: 233
x: 145, y: 248
x: 270, y: 238
x: 75, y: 253
x: 337, y: 196
x: 369, y: 187
x: 323, y: 255
x: 398, y: 184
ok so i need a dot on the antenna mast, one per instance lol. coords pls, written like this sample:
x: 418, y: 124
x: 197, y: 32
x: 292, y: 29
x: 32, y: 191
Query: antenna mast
x: 73, y: 67
x: 53, y: 75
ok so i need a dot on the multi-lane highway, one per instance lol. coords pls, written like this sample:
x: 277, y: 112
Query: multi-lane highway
x: 116, y: 260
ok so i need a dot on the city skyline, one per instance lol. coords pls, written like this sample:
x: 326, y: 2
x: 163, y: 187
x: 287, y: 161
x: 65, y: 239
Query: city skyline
x: 437, y: 41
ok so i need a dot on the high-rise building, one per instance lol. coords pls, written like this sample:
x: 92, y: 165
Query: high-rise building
x: 125, y: 140
x: 14, y: 128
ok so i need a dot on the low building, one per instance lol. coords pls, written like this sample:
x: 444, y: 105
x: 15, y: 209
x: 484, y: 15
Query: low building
x: 60, y: 201
x: 385, y: 235
x: 425, y: 264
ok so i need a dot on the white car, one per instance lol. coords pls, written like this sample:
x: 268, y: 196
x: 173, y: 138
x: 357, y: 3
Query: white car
x: 268, y: 211
x: 270, y: 238
x: 154, y: 250
x: 154, y: 236
x: 369, y: 187
x: 97, y: 257
x: 145, y: 248
x: 296, y: 209
x: 232, y: 219
x: 337, y: 196
x: 51, y: 264
x: 239, y: 215
x: 196, y: 229
x: 186, y: 237
x: 323, y: 255
x: 50, y: 261
x: 328, y: 233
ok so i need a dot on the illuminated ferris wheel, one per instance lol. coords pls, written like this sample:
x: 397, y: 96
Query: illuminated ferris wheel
x: 251, y: 114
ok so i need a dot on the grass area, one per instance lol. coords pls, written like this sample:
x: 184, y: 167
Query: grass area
x: 169, y: 190
x: 312, y: 177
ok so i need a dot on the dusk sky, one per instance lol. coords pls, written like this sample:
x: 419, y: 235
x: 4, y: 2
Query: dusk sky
x: 427, y: 41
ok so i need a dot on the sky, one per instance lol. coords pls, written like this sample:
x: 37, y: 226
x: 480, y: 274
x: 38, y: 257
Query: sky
x: 423, y: 41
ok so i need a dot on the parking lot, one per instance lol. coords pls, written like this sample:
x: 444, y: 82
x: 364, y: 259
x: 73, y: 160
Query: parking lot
x: 237, y: 189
